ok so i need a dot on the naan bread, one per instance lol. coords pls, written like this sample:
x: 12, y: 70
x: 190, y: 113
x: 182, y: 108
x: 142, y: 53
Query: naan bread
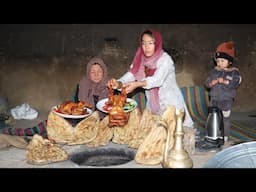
x: 169, y: 119
x: 61, y: 131
x: 86, y: 130
x: 151, y: 151
x: 105, y: 134
x: 123, y: 135
x: 11, y: 140
x: 42, y: 151
x: 146, y: 123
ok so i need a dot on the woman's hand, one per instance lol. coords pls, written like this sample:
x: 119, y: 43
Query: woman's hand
x: 113, y: 83
x: 131, y: 86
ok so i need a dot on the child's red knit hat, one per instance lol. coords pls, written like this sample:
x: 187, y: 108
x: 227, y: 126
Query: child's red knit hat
x: 226, y: 50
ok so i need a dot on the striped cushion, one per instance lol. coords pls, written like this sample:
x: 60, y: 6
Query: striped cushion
x: 197, y: 101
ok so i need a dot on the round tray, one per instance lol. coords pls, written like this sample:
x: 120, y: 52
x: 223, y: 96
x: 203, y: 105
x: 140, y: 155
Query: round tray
x: 238, y: 156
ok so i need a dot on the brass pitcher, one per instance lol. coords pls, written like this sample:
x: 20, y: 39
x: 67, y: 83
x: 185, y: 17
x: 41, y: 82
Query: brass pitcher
x: 177, y: 157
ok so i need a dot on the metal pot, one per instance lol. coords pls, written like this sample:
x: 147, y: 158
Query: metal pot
x: 214, y: 124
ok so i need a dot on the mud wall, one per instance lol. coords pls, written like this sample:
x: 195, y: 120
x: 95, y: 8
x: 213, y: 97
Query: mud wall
x: 41, y: 63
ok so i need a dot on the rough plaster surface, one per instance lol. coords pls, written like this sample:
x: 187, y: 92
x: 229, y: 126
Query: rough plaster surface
x: 45, y: 70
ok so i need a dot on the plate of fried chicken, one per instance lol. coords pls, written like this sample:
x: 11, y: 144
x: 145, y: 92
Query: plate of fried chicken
x: 73, y: 110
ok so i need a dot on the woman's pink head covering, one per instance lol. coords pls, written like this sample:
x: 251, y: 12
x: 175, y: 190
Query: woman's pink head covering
x: 141, y: 61
x: 140, y: 58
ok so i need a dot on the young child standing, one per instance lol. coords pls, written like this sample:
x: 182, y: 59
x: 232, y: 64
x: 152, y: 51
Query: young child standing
x: 223, y: 82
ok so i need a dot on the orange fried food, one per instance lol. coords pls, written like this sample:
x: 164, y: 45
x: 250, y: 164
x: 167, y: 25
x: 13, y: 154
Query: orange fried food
x: 78, y: 111
x: 110, y: 95
x: 83, y: 104
x: 117, y: 116
x: 66, y: 107
x: 73, y: 108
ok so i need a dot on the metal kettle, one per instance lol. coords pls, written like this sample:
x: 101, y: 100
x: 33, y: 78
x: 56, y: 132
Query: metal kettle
x: 214, y: 124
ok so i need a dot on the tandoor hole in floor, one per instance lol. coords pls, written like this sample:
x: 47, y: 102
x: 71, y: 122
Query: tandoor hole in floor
x: 103, y: 157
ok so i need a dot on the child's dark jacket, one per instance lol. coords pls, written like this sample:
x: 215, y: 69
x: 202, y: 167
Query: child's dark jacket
x: 221, y: 91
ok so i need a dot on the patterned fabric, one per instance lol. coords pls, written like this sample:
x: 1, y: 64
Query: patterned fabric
x: 39, y: 129
x: 240, y: 132
x: 197, y: 101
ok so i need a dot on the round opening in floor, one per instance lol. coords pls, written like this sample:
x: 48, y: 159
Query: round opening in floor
x: 103, y: 157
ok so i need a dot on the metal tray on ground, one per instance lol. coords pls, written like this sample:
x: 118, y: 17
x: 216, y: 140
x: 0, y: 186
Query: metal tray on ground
x: 238, y: 156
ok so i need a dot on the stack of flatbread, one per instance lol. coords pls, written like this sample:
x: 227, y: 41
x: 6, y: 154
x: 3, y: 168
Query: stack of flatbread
x: 61, y: 131
x: 43, y: 151
x: 122, y: 135
x: 151, y: 150
x: 147, y: 122
x: 104, y: 135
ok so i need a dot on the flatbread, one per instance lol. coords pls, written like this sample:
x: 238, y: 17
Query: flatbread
x: 169, y: 119
x: 11, y: 140
x: 61, y: 131
x: 86, y: 130
x: 123, y: 135
x: 146, y: 123
x: 151, y: 150
x: 41, y: 151
x: 104, y: 135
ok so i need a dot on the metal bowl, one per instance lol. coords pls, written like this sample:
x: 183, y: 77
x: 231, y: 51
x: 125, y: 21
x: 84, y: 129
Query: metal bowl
x: 238, y: 156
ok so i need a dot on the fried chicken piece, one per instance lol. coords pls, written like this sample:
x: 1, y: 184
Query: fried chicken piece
x: 66, y: 107
x: 73, y: 108
x: 117, y: 116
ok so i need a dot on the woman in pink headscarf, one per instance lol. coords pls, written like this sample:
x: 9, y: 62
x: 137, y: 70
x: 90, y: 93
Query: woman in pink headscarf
x: 154, y: 70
